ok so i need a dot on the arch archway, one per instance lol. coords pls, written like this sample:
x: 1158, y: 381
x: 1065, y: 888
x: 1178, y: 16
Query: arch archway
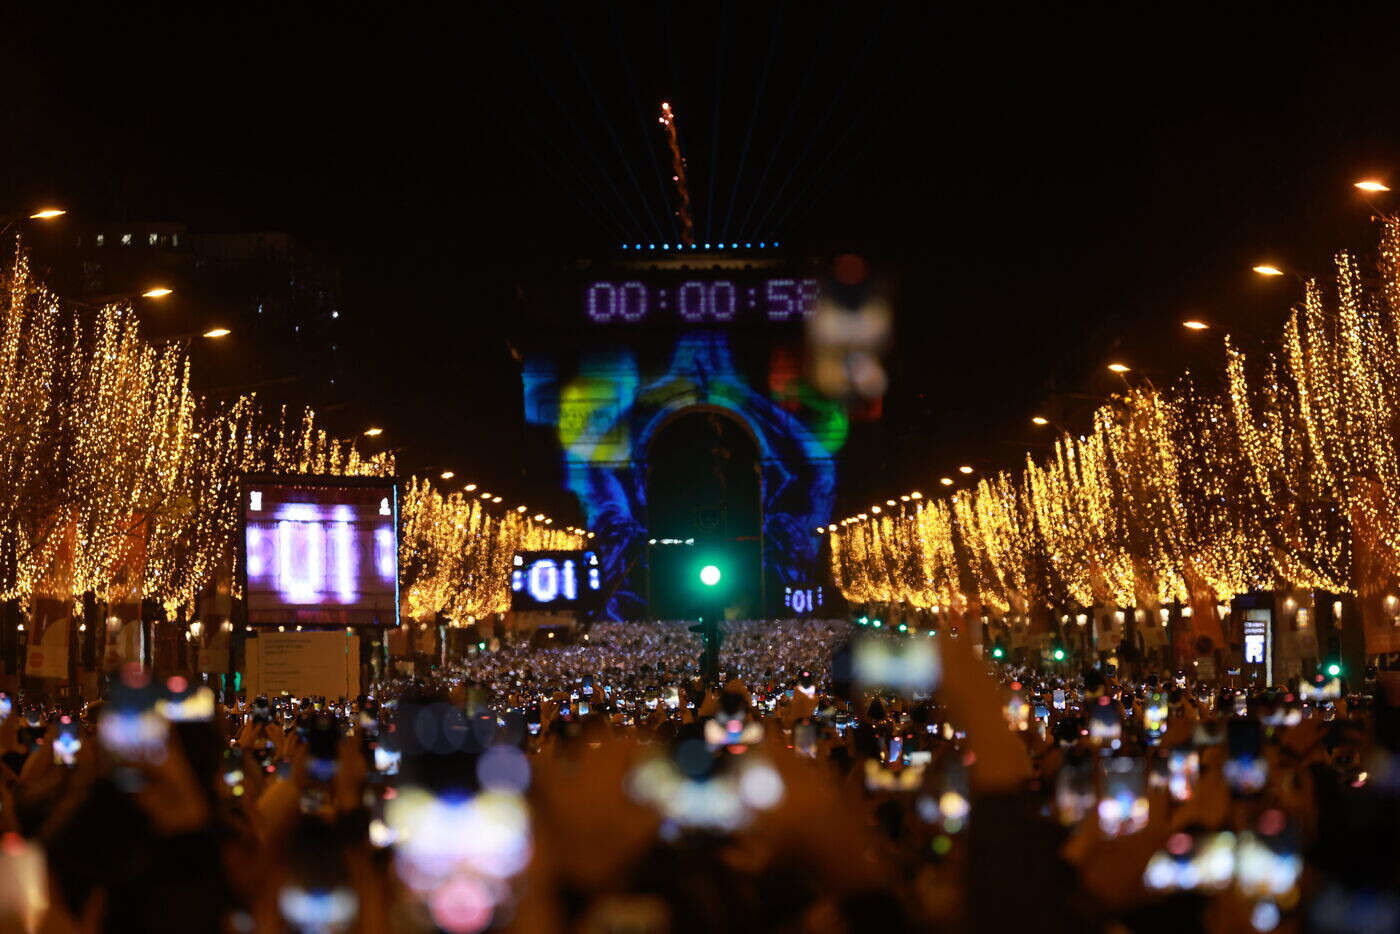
x: 704, y: 485
x: 607, y: 466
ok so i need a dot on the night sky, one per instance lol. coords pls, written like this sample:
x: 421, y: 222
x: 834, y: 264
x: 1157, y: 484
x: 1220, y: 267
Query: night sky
x: 1054, y: 190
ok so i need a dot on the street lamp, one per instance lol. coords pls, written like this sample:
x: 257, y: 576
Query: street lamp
x: 447, y: 474
x: 1194, y: 325
x: 1264, y: 269
x: 188, y: 336
x: 1119, y: 368
x: 43, y: 214
x: 111, y: 298
x: 1370, y: 187
x: 1039, y: 420
x: 946, y: 481
x: 373, y: 432
x: 964, y: 469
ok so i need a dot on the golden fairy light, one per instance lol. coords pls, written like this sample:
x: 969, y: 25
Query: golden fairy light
x: 455, y: 556
x: 1288, y: 477
x: 118, y: 481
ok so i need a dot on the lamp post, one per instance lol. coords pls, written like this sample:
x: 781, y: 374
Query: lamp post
x: 188, y: 337
x: 710, y: 576
x: 42, y: 214
x: 154, y: 292
x: 1370, y: 188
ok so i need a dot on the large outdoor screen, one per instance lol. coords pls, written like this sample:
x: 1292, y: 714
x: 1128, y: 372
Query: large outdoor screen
x: 321, y: 552
x: 554, y: 580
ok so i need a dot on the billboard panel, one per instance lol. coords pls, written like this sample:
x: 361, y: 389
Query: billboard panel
x: 321, y: 551
x: 304, y: 663
x: 554, y: 580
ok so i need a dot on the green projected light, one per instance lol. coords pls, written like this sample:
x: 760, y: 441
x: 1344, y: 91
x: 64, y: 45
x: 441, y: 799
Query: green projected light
x: 709, y: 575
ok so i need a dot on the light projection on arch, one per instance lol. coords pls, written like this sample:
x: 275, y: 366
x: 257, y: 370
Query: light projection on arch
x: 605, y: 416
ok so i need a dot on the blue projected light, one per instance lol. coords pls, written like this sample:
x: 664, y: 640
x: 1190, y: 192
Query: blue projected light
x: 748, y: 245
x: 606, y: 441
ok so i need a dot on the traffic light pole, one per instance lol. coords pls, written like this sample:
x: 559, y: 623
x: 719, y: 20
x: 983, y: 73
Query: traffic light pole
x: 708, y: 625
x: 709, y: 655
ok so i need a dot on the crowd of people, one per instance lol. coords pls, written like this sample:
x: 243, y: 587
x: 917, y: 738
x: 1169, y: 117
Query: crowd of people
x: 829, y: 779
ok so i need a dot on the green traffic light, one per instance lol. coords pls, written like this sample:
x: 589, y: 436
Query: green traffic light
x: 1334, y: 669
x: 903, y: 628
x: 709, y: 575
x: 1059, y: 655
x: 997, y: 652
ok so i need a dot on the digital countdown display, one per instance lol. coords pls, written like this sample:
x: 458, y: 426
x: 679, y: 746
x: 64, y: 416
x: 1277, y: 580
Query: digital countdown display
x: 802, y: 601
x: 554, y: 580
x: 321, y: 553
x: 700, y: 301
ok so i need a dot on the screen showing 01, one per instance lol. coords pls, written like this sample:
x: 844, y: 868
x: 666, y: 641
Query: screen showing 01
x: 554, y: 580
x: 321, y: 553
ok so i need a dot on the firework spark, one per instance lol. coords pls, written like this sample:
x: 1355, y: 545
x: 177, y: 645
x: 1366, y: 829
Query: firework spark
x: 668, y: 120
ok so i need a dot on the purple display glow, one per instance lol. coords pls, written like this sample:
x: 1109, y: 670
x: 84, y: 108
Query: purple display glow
x: 701, y: 301
x: 321, y: 554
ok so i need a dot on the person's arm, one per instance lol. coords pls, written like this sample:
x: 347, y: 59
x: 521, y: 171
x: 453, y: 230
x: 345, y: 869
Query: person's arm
x: 973, y: 699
